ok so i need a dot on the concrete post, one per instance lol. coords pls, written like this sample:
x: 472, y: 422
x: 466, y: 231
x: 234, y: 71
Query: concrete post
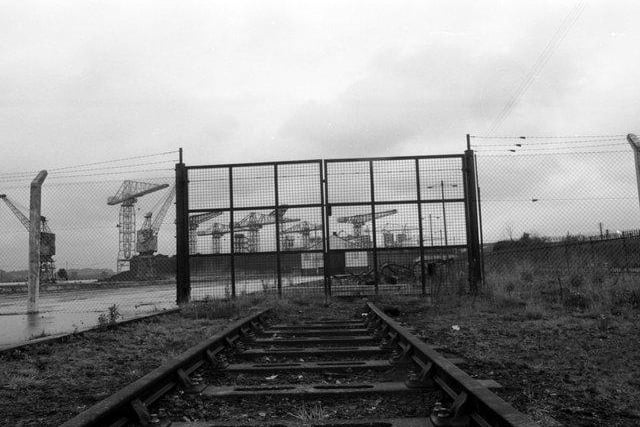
x: 34, y: 242
x: 634, y: 141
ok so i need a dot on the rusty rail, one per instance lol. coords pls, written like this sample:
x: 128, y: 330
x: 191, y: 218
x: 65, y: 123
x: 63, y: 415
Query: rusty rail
x: 473, y: 403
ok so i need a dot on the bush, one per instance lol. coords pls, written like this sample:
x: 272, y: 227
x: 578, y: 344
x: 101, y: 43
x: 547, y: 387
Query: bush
x: 109, y: 319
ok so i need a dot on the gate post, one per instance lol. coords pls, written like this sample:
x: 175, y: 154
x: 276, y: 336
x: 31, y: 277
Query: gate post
x: 183, y: 279
x: 473, y: 236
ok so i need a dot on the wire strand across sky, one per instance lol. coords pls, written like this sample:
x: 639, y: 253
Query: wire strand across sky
x: 555, y: 41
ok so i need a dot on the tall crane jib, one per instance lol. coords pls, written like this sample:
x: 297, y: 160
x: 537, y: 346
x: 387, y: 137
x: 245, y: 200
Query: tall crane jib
x: 127, y: 196
x: 47, y: 242
x: 246, y: 230
x: 358, y: 239
x: 147, y: 243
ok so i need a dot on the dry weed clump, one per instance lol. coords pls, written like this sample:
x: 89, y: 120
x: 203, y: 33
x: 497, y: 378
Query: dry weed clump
x: 576, y: 287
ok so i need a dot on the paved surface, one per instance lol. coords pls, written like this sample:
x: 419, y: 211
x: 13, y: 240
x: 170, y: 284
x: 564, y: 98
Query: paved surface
x: 78, y: 309
x: 66, y: 311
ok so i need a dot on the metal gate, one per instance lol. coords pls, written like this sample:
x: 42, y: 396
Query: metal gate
x: 401, y: 225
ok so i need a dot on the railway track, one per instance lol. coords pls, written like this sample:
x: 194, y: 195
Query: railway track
x: 331, y: 372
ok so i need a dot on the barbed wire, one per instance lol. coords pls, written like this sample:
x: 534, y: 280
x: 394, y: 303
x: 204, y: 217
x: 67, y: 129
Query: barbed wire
x: 550, y: 136
x: 555, y: 199
x: 558, y: 145
x: 522, y: 149
x: 525, y: 154
x: 86, y: 165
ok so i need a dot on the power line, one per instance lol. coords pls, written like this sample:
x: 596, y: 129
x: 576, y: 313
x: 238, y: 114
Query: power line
x: 541, y: 61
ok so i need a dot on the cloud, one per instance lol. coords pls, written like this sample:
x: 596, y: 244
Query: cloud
x: 436, y: 94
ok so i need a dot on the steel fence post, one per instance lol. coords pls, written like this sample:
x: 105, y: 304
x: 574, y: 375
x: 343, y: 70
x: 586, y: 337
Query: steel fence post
x: 183, y: 278
x: 473, y: 237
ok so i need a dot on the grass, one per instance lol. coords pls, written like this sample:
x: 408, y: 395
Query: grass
x: 313, y: 414
x: 580, y: 287
x: 110, y: 318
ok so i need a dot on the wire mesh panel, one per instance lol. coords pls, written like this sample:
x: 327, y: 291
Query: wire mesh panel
x: 560, y: 215
x: 260, y: 228
x: 345, y: 227
x: 383, y: 213
x: 103, y: 249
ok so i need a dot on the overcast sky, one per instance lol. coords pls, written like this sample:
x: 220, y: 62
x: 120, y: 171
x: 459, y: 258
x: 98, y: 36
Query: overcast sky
x: 232, y: 81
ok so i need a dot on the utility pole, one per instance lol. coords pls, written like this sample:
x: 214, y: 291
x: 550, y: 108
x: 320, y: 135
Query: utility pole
x: 634, y: 141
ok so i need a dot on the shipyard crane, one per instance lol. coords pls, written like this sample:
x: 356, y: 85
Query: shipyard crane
x: 304, y: 228
x: 127, y: 196
x: 147, y: 242
x: 47, y: 242
x: 216, y: 231
x: 194, y: 223
x: 357, y: 221
x: 254, y: 222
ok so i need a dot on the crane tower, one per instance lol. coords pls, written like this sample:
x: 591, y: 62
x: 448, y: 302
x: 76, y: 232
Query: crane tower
x: 304, y: 228
x: 147, y: 242
x: 251, y: 223
x: 216, y: 231
x: 47, y: 242
x: 254, y: 222
x: 127, y: 196
x: 194, y: 223
x: 357, y: 221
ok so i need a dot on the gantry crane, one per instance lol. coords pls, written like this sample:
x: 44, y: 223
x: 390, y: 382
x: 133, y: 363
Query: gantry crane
x: 127, y: 196
x: 252, y: 223
x: 216, y: 231
x: 194, y: 223
x: 147, y: 242
x: 304, y: 228
x: 47, y: 242
x: 357, y: 221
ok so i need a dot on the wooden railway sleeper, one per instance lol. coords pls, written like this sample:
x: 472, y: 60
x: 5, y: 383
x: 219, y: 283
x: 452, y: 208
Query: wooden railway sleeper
x: 457, y: 415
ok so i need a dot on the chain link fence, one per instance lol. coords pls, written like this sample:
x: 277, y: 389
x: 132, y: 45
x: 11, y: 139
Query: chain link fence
x: 80, y: 277
x: 560, y: 219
